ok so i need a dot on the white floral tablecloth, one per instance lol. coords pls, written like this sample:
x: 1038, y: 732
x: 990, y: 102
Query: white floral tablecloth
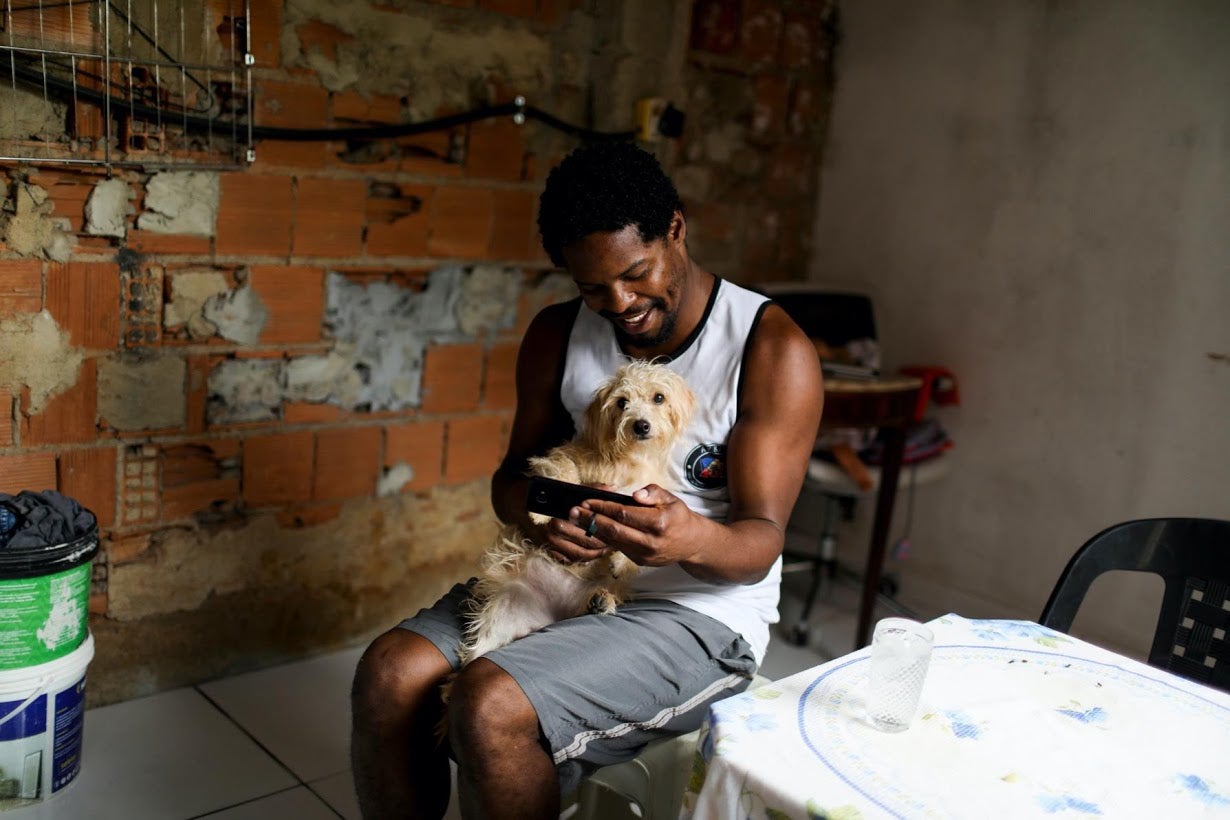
x: 1015, y: 720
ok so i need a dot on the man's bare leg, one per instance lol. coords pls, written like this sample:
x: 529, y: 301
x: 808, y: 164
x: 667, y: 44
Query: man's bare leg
x: 400, y: 769
x: 503, y: 768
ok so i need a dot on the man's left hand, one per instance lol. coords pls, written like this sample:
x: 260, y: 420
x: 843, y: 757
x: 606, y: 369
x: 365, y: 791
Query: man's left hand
x: 660, y: 533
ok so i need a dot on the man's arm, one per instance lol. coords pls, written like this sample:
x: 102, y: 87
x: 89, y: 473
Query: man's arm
x: 540, y: 421
x: 766, y: 460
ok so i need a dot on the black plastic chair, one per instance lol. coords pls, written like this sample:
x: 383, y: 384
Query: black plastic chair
x: 1192, y: 555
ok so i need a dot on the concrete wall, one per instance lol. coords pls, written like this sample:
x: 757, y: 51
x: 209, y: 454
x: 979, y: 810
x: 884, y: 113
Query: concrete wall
x: 1038, y: 196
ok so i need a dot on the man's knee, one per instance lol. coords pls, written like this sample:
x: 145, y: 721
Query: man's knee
x: 487, y: 710
x: 395, y: 675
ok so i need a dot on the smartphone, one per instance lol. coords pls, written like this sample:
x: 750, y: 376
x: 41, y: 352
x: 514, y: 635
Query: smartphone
x: 557, y: 498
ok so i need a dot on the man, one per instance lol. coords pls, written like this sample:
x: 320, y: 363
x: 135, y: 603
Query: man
x: 527, y: 720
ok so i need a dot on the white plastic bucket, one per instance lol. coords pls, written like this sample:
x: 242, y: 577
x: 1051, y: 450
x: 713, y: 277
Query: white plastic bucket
x: 42, y: 714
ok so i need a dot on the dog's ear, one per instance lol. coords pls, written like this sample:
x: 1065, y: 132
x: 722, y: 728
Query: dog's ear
x: 682, y: 403
x: 595, y: 413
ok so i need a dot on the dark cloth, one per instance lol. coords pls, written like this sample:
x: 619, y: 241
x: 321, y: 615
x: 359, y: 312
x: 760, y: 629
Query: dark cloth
x: 46, y: 519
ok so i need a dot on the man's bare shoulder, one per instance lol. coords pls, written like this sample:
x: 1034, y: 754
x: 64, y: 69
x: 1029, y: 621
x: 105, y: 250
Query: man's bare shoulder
x: 779, y: 340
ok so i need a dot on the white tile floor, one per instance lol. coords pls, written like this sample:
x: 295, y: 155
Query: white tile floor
x: 274, y: 743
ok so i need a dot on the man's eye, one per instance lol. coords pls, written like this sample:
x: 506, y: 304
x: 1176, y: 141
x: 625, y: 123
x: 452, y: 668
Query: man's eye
x: 621, y: 403
x: 658, y: 398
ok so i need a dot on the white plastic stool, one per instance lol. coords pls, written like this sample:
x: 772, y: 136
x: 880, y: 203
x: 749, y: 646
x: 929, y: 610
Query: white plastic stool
x: 649, y: 786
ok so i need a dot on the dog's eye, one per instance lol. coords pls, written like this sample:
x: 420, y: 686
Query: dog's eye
x: 658, y: 398
x: 621, y: 403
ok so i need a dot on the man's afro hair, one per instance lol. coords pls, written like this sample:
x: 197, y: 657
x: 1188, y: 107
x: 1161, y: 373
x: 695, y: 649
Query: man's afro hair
x: 605, y: 187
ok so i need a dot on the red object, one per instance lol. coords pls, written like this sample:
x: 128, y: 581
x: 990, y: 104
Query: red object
x: 938, y: 384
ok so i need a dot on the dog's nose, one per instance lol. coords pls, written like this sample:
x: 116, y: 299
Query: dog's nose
x: 640, y: 427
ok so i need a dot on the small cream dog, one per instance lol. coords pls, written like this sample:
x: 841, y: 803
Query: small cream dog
x: 630, y: 428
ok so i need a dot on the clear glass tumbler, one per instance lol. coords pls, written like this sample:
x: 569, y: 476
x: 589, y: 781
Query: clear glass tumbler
x: 900, y: 654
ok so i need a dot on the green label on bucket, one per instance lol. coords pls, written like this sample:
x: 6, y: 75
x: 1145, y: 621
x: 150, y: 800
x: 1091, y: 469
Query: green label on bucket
x: 42, y: 618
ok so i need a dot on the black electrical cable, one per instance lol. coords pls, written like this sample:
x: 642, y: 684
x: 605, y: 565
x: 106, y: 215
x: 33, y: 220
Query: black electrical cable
x: 198, y: 124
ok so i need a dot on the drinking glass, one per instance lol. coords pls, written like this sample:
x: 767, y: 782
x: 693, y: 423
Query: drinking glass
x: 900, y: 654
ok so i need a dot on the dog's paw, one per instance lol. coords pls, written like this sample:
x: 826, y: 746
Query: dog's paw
x: 602, y: 603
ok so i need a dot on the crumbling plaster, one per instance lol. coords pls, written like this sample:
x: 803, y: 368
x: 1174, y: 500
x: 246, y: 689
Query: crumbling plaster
x: 29, y: 229
x: 416, y: 53
x: 202, y: 600
x: 142, y: 391
x: 181, y: 202
x: 35, y: 353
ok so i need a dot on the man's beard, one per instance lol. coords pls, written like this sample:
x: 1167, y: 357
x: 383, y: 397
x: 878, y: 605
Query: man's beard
x: 651, y: 339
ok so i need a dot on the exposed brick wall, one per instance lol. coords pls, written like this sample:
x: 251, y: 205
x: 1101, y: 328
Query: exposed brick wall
x: 759, y: 81
x: 135, y: 431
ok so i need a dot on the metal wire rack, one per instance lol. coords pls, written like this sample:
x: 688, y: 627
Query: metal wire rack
x: 150, y: 83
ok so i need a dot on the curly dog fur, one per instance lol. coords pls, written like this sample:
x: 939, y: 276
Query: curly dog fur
x: 630, y: 429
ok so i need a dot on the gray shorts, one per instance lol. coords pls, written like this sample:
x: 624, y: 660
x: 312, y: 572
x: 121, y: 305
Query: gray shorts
x: 605, y: 685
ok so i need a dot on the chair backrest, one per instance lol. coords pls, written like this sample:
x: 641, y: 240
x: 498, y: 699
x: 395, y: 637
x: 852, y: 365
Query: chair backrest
x: 1192, y: 555
x: 836, y: 317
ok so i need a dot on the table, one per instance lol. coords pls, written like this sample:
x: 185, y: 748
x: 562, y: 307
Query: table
x: 888, y: 403
x: 1015, y: 720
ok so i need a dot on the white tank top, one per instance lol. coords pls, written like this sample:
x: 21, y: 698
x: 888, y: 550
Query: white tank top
x: 711, y: 360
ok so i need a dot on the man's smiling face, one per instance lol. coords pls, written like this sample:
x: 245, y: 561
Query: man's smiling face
x: 636, y: 285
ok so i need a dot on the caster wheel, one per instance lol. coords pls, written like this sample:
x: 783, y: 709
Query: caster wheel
x: 798, y: 634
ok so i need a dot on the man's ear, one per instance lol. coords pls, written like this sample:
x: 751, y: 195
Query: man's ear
x: 678, y: 231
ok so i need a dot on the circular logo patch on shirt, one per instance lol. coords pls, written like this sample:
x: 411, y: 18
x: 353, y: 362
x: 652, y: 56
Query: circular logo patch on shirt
x: 706, y: 466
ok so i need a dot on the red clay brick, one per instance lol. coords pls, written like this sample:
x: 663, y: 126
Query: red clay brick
x: 791, y: 172
x: 799, y: 40
x: 806, y: 99
x: 451, y: 378
x: 347, y: 463
x: 329, y: 217
x: 69, y: 197
x: 460, y: 222
x: 69, y: 416
x: 760, y: 31
x: 321, y: 37
x: 198, y: 392
x: 496, y: 150
x: 21, y: 286
x: 428, y: 154
x: 295, y: 298
x: 514, y: 230
x: 474, y: 447
x: 204, y: 496
x: 500, y: 377
x: 514, y: 8
x: 290, y: 154
x: 291, y: 105
x: 254, y: 216
x: 769, y: 107
x: 6, y: 418
x: 264, y: 32
x: 162, y: 243
x: 419, y: 445
x: 277, y: 469
x: 128, y: 549
x: 398, y: 226
x: 303, y: 412
x: 89, y: 477
x: 27, y: 471
x: 351, y: 107
x: 715, y: 25
x: 84, y: 298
